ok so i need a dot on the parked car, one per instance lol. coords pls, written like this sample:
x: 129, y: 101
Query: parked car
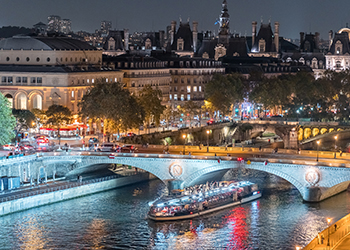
x: 26, y: 146
x: 9, y: 147
x: 128, y: 148
x: 106, y: 147
x: 131, y: 134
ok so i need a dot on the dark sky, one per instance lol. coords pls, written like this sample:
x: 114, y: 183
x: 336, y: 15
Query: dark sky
x: 145, y: 15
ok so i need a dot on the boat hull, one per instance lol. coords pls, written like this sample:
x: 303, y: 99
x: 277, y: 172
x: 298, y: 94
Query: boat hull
x: 203, y: 212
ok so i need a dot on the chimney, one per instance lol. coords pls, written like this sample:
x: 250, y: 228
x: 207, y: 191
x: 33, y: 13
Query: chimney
x: 195, y: 35
x: 317, y: 40
x: 161, y: 38
x: 172, y: 31
x: 253, y: 32
x: 301, y: 38
x: 126, y: 39
x: 277, y: 36
x: 330, y: 38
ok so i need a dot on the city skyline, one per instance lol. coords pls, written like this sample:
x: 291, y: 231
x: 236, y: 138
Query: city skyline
x: 155, y: 15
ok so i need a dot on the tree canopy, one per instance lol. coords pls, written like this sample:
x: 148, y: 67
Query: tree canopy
x: 224, y: 90
x: 24, y: 120
x: 112, y: 103
x: 58, y: 115
x: 7, y: 121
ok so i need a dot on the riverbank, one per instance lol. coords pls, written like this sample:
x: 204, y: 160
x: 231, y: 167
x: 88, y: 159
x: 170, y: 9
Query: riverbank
x: 20, y: 200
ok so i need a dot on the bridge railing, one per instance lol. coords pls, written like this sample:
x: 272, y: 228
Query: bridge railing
x: 47, y: 189
x: 16, y: 158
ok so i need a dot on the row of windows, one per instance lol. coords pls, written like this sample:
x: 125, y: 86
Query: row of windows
x: 48, y: 59
x: 194, y: 72
x: 189, y: 89
x: 9, y: 79
x: 183, y: 80
x: 182, y: 97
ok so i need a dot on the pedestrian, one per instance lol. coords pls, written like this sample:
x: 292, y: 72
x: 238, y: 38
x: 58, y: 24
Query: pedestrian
x: 215, y: 154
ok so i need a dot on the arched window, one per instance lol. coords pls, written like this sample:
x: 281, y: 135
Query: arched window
x: 10, y: 99
x: 21, y: 101
x: 37, y: 102
x: 338, y: 65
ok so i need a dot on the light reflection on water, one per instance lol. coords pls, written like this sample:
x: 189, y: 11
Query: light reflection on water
x: 117, y: 220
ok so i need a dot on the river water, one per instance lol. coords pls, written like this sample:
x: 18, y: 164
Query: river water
x: 117, y: 220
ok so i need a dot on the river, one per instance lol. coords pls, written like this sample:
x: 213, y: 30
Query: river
x: 117, y: 220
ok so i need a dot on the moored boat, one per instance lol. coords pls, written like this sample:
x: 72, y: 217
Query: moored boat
x: 203, y: 199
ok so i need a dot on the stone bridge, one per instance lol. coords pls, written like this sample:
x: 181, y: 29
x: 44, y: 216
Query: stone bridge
x: 314, y: 182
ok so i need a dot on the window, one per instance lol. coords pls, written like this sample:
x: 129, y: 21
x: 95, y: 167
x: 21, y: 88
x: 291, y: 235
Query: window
x: 18, y: 79
x: 188, y: 89
x: 182, y: 97
x: 24, y: 79
x: 194, y: 80
x: 262, y: 45
x: 200, y: 88
x: 170, y: 97
x: 175, y: 80
x: 88, y: 80
x: 7, y: 58
x: 106, y: 79
x: 194, y: 88
x: 93, y: 80
x: 4, y: 79
x: 37, y: 102
x: 188, y: 97
x: 48, y: 59
x: 175, y: 97
x: 32, y: 80
x: 27, y: 59
x: 21, y: 101
x: 17, y: 59
x: 38, y: 59
x: 175, y: 89
x: 188, y: 80
x: 72, y: 93
x: 10, y: 79
x: 39, y: 80
x: 182, y: 80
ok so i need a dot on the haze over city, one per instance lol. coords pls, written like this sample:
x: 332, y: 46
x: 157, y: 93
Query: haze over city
x: 294, y: 16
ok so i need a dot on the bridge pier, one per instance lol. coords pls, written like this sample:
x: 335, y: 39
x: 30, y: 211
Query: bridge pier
x: 312, y: 194
x: 174, y: 184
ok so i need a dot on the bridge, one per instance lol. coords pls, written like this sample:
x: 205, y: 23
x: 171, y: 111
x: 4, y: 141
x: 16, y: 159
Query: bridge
x: 314, y: 182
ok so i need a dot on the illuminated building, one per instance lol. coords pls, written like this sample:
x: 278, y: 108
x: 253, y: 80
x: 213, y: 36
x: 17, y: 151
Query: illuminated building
x: 36, y: 72
x: 338, y: 57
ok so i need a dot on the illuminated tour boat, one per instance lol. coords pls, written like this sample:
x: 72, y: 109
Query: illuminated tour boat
x: 202, y: 199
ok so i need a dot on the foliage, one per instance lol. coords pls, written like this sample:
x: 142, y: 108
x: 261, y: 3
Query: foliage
x: 7, y: 121
x: 24, y: 120
x: 40, y: 117
x: 224, y: 90
x: 170, y: 114
x: 112, y: 103
x: 58, y: 115
x: 150, y: 101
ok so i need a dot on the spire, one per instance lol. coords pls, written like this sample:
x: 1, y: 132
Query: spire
x: 224, y: 19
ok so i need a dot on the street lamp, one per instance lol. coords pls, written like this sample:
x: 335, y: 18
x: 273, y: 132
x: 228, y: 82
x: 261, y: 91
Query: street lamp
x: 318, y: 143
x: 184, y: 151
x: 298, y: 248
x: 335, y: 146
x: 208, y: 141
x: 328, y: 222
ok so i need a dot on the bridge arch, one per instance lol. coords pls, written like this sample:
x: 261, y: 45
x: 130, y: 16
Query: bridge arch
x: 335, y: 186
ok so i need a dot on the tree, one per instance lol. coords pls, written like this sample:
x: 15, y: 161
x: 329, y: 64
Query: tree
x: 151, y: 101
x: 191, y: 109
x: 170, y: 114
x: 40, y: 117
x: 112, y: 103
x: 58, y: 116
x: 24, y: 120
x: 224, y: 90
x: 7, y: 121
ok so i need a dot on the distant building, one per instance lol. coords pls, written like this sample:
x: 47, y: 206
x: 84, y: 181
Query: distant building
x: 338, y: 56
x: 40, y: 28
x: 65, y: 26
x: 106, y: 26
x: 53, y: 23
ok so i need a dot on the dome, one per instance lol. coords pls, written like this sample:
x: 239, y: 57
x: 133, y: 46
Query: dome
x: 347, y: 30
x: 23, y: 42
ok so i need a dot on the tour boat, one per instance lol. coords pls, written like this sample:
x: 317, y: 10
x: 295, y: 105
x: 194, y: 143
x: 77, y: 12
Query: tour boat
x: 202, y: 199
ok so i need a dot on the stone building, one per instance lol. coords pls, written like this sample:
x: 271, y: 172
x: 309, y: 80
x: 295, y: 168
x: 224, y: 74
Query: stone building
x: 36, y: 72
x: 338, y: 56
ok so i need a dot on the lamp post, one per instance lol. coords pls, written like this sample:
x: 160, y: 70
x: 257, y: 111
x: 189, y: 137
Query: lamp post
x: 184, y: 151
x: 298, y: 248
x: 318, y: 143
x: 208, y: 141
x: 328, y: 222
x: 335, y: 146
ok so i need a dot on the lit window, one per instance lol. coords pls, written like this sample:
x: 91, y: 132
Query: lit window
x: 93, y: 80
x: 194, y: 88
x: 170, y: 97
x: 88, y: 80
x: 73, y: 93
x: 106, y: 79
x: 175, y: 97
x: 200, y: 88
x: 115, y: 79
x: 188, y: 97
x: 182, y: 97
x: 9, y: 79
x: 188, y: 89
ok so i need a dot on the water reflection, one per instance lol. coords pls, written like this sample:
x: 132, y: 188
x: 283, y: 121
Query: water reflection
x: 95, y: 234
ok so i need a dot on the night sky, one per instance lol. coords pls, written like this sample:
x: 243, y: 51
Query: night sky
x: 145, y: 15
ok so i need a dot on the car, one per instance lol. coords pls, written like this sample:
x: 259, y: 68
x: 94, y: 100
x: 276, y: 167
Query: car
x: 128, y: 148
x: 131, y: 134
x: 211, y: 121
x: 106, y: 147
x: 93, y: 140
x: 26, y: 146
x: 9, y: 146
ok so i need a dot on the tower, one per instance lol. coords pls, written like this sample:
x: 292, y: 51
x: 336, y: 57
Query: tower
x: 277, y: 36
x: 254, y: 23
x: 172, y: 31
x: 224, y: 22
x: 195, y: 35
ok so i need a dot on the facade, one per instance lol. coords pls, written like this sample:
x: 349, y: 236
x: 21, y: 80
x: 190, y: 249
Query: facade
x: 36, y: 72
x: 338, y: 56
x: 58, y: 25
